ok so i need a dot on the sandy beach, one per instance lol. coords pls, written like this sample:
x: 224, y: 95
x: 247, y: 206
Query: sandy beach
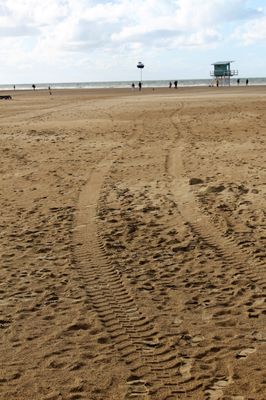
x: 133, y: 244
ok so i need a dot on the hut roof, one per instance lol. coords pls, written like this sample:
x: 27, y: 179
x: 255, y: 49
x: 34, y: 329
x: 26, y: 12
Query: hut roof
x: 222, y: 62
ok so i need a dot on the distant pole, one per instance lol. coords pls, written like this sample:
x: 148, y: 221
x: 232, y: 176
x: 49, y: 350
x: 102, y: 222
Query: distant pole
x: 140, y: 65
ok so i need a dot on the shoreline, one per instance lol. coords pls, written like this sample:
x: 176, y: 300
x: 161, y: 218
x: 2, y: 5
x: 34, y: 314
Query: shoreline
x: 145, y: 90
x: 127, y: 85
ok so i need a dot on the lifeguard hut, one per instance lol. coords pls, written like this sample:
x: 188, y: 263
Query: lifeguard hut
x: 222, y: 71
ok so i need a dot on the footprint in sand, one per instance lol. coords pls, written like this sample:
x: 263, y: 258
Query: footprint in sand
x: 186, y: 368
x: 178, y: 321
x: 238, y: 398
x: 246, y: 352
x: 259, y: 336
x: 206, y: 316
x: 216, y: 391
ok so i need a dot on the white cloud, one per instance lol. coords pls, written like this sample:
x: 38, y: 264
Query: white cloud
x: 35, y: 11
x: 251, y: 32
x: 52, y: 31
x: 19, y: 30
x: 196, y: 14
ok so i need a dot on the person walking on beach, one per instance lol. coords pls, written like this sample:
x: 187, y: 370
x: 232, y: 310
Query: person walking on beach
x: 238, y: 82
x: 133, y: 86
x: 50, y: 92
x: 175, y: 84
x: 33, y: 87
x: 140, y: 86
x: 170, y: 85
x: 246, y: 82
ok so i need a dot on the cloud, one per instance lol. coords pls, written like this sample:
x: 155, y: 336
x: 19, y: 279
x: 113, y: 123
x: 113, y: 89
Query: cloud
x: 123, y: 19
x: 22, y: 30
x: 52, y: 32
x: 251, y: 32
x: 35, y: 11
x: 211, y: 13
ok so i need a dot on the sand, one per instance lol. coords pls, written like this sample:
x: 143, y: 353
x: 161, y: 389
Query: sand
x: 133, y: 244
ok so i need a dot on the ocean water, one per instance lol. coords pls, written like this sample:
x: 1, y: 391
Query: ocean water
x: 127, y: 84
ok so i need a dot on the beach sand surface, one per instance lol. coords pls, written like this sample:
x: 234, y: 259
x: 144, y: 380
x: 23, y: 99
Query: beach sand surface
x: 132, y: 244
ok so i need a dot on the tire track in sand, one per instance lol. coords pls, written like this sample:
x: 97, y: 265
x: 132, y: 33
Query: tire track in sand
x: 155, y: 368
x: 233, y: 262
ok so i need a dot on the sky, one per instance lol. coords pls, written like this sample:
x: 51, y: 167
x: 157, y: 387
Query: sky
x: 103, y: 40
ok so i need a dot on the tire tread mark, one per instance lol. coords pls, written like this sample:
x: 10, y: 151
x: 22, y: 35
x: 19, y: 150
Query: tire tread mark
x: 133, y: 334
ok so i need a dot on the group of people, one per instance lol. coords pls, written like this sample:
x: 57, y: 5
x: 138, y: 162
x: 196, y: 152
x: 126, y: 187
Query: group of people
x: 34, y: 88
x: 49, y: 89
x: 175, y: 84
x: 140, y: 85
x: 238, y: 82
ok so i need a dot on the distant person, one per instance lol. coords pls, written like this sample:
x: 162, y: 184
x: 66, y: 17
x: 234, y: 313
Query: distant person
x: 238, y: 82
x: 217, y: 82
x: 175, y: 84
x: 14, y: 87
x: 246, y: 82
x: 140, y: 86
x: 170, y: 85
x: 50, y: 91
x: 133, y: 85
x: 33, y: 87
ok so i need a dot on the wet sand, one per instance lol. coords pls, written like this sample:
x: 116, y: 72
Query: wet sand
x: 133, y: 244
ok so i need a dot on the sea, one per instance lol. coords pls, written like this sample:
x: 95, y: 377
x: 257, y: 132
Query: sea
x: 127, y: 84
